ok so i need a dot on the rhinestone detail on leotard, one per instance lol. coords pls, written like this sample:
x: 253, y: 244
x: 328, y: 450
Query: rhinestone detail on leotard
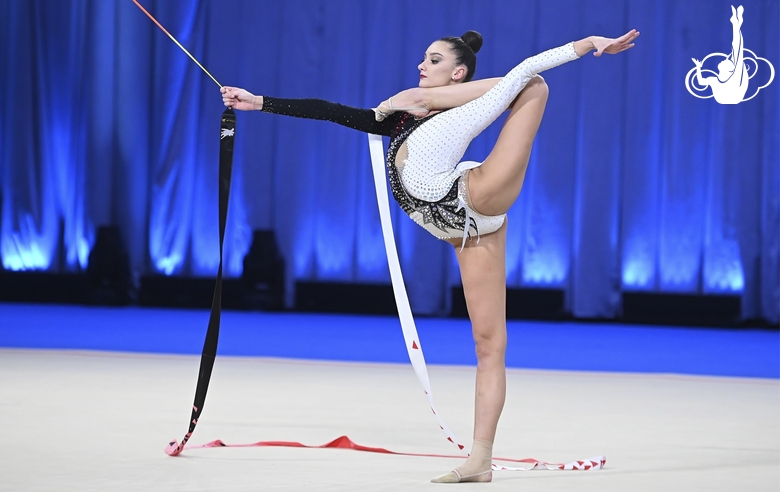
x: 444, y: 213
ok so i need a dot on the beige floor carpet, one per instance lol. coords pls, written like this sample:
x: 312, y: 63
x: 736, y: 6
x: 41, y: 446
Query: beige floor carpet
x: 97, y: 421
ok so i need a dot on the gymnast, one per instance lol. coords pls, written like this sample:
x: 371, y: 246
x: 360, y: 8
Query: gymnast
x: 463, y: 203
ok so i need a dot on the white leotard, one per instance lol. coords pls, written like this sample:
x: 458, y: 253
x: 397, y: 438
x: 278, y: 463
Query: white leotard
x: 435, y: 147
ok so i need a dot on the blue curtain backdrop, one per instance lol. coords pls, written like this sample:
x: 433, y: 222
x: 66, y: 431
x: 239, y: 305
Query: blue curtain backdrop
x: 634, y: 184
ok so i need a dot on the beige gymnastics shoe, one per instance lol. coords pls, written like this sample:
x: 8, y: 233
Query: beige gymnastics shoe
x: 455, y: 477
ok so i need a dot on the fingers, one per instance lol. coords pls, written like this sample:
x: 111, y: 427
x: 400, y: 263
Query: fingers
x: 230, y: 95
x: 628, y: 37
x: 627, y: 43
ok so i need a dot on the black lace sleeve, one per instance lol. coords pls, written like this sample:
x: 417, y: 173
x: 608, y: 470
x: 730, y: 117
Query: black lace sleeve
x: 319, y: 109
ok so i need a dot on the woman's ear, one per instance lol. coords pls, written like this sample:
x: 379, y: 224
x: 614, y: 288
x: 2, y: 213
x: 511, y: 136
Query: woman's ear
x: 459, y: 74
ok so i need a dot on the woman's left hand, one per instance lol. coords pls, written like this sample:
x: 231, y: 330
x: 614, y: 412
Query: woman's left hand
x: 616, y: 45
x: 382, y: 111
x: 408, y: 101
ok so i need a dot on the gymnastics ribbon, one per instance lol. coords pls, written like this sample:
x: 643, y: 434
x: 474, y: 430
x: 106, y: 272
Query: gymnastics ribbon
x: 411, y: 338
x: 344, y: 442
x: 227, y: 137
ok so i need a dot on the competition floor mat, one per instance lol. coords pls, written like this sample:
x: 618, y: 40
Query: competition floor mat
x: 89, y: 396
x: 96, y: 421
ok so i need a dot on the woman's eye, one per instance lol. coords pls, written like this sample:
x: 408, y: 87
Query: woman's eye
x: 434, y: 62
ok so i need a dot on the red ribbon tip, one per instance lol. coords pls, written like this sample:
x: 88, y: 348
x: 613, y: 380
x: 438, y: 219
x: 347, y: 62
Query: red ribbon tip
x: 173, y: 448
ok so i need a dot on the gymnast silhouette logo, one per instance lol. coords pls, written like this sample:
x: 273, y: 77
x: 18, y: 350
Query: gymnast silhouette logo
x: 735, y: 70
x: 227, y: 132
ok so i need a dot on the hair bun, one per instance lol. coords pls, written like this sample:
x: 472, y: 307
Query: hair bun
x: 473, y: 39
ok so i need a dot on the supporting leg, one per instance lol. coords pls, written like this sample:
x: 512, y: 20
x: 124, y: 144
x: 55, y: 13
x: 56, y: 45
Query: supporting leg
x: 483, y: 272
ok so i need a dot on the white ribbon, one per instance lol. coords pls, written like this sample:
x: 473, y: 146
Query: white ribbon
x: 411, y: 338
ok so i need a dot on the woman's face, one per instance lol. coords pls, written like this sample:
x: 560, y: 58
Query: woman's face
x: 438, y: 66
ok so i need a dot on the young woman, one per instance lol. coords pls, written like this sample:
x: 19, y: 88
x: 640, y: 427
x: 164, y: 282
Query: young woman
x: 458, y: 200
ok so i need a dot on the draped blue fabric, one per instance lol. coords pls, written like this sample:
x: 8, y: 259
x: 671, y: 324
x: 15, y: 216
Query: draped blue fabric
x: 633, y: 185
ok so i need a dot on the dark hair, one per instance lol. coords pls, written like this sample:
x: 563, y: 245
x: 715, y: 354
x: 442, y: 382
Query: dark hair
x: 465, y: 49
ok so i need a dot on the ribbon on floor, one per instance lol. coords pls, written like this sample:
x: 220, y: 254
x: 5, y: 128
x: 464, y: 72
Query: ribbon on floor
x: 227, y: 137
x: 345, y: 442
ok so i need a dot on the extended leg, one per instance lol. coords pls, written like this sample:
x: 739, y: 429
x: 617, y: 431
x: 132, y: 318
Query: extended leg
x: 495, y: 185
x: 483, y: 272
x: 527, y: 95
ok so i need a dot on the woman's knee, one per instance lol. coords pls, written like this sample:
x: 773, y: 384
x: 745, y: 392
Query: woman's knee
x: 536, y: 88
x: 490, y: 341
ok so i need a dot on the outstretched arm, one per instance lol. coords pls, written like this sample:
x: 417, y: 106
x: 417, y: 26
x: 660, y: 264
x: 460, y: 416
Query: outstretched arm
x: 316, y: 109
x: 450, y: 96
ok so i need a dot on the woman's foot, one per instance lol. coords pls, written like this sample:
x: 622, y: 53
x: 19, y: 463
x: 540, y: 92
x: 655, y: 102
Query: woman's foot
x: 477, y: 468
x: 455, y: 477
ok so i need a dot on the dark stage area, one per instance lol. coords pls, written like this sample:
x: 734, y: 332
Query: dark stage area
x: 348, y: 298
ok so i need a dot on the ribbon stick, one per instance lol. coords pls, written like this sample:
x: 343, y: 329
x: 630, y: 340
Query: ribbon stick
x: 174, y: 40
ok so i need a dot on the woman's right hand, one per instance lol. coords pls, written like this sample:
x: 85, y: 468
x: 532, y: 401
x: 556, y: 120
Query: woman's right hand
x: 616, y: 45
x: 240, y: 99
